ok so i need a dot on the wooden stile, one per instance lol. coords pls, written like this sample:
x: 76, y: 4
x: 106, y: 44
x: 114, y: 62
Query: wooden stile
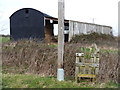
x: 87, y: 63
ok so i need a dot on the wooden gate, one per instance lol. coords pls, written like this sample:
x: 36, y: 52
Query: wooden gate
x: 87, y: 63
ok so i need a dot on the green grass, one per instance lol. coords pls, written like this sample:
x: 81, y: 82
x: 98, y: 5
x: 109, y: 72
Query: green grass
x: 108, y: 51
x: 53, y: 45
x: 36, y: 81
x: 4, y: 39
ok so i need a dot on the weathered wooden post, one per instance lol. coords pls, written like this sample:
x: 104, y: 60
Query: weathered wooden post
x: 77, y: 67
x: 60, y: 70
x: 1, y: 62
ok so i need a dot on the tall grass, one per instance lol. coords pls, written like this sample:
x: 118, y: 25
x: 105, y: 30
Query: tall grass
x: 36, y: 81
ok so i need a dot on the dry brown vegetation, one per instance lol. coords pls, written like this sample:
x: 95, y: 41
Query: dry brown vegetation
x: 100, y: 39
x: 32, y: 57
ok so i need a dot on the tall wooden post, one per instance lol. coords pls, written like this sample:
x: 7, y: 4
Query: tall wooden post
x: 60, y: 71
x: 1, y: 63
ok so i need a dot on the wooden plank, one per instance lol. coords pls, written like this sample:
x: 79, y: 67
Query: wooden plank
x: 76, y: 69
x: 87, y: 75
x: 71, y: 31
x: 78, y: 64
x: 89, y: 70
x: 81, y: 69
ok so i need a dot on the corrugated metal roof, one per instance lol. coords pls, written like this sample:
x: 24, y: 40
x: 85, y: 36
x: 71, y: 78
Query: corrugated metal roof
x: 45, y: 15
x: 48, y: 16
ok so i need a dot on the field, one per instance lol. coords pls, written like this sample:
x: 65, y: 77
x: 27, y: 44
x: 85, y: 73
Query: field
x: 32, y: 64
x: 36, y: 81
x: 4, y: 39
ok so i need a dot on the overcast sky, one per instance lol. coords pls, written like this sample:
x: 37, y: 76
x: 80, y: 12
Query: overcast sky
x: 104, y: 12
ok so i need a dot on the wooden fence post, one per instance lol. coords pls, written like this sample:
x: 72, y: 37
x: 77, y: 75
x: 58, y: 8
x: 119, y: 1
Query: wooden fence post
x: 76, y: 67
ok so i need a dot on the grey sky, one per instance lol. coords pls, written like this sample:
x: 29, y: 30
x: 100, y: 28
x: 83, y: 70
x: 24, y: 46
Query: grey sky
x: 104, y: 12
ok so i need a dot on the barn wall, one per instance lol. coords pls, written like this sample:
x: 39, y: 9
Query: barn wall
x: 77, y: 28
x: 71, y: 31
x: 27, y: 23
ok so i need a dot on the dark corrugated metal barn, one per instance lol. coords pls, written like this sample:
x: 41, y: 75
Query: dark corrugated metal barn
x: 30, y: 23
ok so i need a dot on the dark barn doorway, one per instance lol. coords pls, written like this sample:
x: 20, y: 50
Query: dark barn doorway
x: 66, y: 32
